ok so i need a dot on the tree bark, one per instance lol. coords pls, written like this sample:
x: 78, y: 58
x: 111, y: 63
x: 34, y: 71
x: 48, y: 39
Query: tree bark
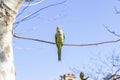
x: 8, y: 11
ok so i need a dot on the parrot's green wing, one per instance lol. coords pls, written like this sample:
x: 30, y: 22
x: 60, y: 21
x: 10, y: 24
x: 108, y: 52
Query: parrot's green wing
x: 56, y: 38
x: 59, y: 48
x: 64, y: 37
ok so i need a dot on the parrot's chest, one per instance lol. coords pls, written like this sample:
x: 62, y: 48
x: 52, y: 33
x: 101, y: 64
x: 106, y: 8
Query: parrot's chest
x: 60, y: 37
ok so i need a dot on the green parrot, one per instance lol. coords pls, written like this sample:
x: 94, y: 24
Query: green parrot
x: 59, y: 38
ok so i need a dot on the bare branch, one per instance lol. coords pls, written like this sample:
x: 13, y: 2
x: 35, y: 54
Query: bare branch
x: 117, y: 12
x: 15, y: 26
x: 115, y: 61
x: 23, y: 10
x: 92, y: 44
x: 51, y: 5
x: 111, y: 31
x: 36, y: 3
x: 117, y: 71
x: 20, y: 37
x: 27, y: 0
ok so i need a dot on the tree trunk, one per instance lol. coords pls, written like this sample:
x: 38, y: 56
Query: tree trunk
x: 8, y: 11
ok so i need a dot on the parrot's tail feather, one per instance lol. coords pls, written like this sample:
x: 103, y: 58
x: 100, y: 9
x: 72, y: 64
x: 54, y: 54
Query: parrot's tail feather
x: 59, y: 54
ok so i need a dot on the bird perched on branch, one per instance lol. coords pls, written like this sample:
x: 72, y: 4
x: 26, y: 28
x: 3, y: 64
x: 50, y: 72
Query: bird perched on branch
x: 59, y: 39
x: 82, y: 76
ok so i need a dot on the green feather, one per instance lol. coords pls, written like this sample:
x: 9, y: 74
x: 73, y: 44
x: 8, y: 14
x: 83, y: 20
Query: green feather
x: 59, y: 46
x: 59, y: 54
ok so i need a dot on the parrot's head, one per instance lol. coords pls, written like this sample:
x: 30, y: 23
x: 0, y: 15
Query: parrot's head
x: 59, y: 29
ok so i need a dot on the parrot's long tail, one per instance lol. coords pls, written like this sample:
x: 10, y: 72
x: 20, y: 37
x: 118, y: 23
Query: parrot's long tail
x: 59, y: 54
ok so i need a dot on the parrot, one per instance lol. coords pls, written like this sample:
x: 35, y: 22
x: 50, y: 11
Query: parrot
x: 59, y: 39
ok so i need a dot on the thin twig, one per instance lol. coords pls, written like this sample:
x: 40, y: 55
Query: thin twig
x: 36, y: 3
x: 92, y: 44
x: 117, y: 71
x: 117, y: 12
x: 115, y: 74
x: 111, y: 31
x: 15, y: 26
x: 51, y: 5
x: 23, y: 10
